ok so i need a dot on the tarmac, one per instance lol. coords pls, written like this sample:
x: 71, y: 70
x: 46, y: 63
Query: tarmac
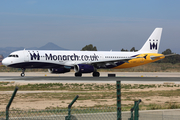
x: 125, y: 77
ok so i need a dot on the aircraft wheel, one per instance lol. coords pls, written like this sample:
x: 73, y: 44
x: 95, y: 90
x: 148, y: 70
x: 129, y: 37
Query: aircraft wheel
x: 96, y: 74
x: 23, y: 70
x: 78, y: 74
x: 22, y: 74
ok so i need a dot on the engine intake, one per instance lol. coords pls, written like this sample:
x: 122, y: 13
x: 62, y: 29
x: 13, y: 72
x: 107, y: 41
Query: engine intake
x: 83, y: 68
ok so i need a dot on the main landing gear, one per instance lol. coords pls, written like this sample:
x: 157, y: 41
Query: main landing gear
x: 94, y: 74
x: 23, y: 70
x: 78, y: 74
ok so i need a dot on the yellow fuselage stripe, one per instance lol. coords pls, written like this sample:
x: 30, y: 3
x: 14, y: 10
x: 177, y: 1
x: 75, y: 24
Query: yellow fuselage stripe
x: 140, y: 61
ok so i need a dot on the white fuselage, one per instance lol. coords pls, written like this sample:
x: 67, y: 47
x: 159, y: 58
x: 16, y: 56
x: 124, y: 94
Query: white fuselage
x: 29, y: 58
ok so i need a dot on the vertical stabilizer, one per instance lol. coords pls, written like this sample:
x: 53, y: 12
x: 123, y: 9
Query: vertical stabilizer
x: 152, y: 44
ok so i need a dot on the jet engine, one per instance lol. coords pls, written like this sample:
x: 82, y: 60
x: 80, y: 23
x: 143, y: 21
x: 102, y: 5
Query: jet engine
x: 58, y: 70
x: 83, y: 68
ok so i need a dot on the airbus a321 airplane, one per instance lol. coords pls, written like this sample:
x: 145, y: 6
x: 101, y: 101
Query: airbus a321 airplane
x: 85, y: 61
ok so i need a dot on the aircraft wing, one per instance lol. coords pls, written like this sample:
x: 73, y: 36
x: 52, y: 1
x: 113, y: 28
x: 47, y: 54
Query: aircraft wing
x: 115, y: 62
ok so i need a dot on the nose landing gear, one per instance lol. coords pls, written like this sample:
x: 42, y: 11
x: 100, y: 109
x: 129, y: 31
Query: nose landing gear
x: 23, y: 70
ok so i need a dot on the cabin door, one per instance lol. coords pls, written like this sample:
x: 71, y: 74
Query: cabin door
x: 26, y: 56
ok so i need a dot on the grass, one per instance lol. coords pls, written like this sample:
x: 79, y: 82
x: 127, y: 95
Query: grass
x: 8, y: 69
x: 6, y: 86
x: 98, y: 93
x: 93, y: 96
x: 4, y: 83
x: 153, y: 106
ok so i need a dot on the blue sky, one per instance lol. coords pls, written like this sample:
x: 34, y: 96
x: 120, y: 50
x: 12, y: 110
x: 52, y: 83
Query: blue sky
x: 72, y: 24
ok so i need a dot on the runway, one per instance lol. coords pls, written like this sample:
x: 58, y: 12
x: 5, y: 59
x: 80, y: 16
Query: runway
x: 139, y: 78
x: 91, y: 78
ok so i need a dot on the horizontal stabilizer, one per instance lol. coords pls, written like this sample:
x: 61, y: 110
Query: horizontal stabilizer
x: 154, y: 57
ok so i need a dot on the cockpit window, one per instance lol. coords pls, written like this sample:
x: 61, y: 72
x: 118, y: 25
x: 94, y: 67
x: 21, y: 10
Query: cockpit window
x: 13, y: 56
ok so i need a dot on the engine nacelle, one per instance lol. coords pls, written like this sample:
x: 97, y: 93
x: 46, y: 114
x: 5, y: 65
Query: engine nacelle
x: 83, y: 68
x: 58, y: 70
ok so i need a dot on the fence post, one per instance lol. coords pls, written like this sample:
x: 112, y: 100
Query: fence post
x: 69, y: 108
x: 131, y: 114
x: 118, y: 84
x: 136, y: 109
x: 10, y: 101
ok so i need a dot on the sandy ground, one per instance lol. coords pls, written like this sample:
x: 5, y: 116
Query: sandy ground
x: 43, y: 103
x: 33, y: 102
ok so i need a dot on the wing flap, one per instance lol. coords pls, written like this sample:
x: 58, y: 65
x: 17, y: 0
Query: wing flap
x: 111, y: 62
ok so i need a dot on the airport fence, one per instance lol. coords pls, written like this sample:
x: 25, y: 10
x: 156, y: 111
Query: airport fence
x: 105, y: 113
x: 168, y: 114
x: 2, y: 114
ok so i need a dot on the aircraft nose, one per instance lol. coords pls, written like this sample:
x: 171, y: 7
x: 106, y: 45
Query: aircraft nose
x: 5, y: 62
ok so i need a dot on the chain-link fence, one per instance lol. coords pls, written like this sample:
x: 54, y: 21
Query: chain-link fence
x: 171, y: 114
x: 106, y: 113
x: 2, y: 114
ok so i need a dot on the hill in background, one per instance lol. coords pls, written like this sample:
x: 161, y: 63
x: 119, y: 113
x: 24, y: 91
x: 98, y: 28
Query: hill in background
x: 49, y: 46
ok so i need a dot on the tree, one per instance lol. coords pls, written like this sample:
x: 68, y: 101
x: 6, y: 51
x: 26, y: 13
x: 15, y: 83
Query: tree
x: 133, y: 49
x: 123, y: 49
x: 167, y: 51
x: 89, y: 48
